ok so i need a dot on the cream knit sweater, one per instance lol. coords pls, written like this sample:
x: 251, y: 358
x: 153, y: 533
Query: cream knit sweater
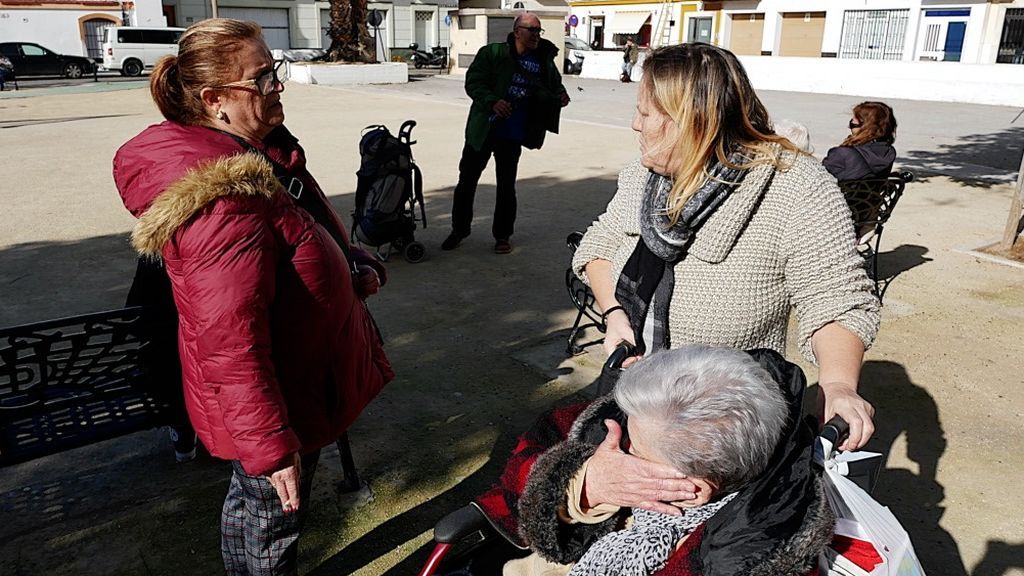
x: 782, y: 239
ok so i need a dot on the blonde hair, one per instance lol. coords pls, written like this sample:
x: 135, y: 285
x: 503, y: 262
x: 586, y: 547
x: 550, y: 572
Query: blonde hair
x: 207, y: 57
x: 707, y: 94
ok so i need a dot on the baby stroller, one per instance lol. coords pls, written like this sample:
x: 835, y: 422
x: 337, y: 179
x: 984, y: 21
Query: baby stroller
x: 478, y: 539
x: 389, y: 186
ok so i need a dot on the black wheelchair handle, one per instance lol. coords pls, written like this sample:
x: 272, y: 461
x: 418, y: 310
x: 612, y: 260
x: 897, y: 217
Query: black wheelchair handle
x: 835, y: 430
x: 618, y: 356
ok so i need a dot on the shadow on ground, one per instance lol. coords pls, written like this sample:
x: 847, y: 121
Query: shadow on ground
x: 916, y: 499
x: 897, y: 261
x: 992, y: 154
x: 434, y: 438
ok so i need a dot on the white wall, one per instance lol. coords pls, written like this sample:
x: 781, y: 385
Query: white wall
x: 56, y: 30
x: 59, y: 30
x: 996, y: 84
x: 585, y: 15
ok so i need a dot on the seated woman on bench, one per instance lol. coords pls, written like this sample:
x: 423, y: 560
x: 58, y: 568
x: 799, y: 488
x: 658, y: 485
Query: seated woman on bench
x: 867, y: 153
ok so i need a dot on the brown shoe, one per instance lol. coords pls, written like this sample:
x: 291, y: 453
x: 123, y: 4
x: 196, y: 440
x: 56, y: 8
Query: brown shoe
x: 502, y: 246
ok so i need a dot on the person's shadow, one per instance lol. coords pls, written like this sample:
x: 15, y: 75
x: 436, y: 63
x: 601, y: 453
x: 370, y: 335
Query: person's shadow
x: 1000, y: 557
x: 903, y: 408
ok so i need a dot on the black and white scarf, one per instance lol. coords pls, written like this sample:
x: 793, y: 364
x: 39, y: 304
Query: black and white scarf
x: 646, y: 546
x: 648, y: 274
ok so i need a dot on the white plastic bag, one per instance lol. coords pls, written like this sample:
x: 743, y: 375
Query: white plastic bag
x: 861, y: 519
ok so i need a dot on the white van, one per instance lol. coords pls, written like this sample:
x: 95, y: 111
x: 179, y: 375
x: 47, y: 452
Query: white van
x: 130, y: 50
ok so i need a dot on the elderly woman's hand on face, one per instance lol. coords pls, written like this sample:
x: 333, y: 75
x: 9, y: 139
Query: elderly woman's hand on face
x: 614, y: 477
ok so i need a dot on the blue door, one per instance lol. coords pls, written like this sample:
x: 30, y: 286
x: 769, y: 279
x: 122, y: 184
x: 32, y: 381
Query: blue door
x: 954, y: 41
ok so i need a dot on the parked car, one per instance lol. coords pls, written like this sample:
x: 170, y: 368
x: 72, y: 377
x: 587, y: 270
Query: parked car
x: 575, y: 51
x: 31, y: 59
x: 131, y: 50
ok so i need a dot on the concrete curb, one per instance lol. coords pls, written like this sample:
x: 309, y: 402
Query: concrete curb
x: 976, y: 252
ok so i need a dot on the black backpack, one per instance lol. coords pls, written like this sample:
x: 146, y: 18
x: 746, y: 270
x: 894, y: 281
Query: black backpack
x: 389, y: 186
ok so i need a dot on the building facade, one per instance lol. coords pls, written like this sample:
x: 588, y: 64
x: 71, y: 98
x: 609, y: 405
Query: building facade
x: 970, y: 31
x: 481, y: 22
x: 303, y: 24
x: 73, y: 27
x: 76, y: 26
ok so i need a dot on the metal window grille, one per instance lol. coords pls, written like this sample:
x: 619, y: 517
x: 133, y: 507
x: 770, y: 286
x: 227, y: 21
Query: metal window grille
x: 424, y: 16
x: 931, y: 38
x: 874, y: 34
x: 94, y: 30
x: 1011, y: 46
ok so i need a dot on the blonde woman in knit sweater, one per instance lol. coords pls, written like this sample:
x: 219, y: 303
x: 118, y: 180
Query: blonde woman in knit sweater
x: 714, y: 234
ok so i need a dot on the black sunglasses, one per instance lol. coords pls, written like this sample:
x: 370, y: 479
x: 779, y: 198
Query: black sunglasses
x: 533, y: 29
x: 854, y: 124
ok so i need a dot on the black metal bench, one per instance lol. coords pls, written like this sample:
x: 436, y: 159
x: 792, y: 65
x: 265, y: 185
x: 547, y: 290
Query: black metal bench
x: 75, y: 381
x: 871, y: 204
x: 585, y: 303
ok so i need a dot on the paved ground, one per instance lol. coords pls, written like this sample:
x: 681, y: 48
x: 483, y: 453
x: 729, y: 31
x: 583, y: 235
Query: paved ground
x: 477, y: 339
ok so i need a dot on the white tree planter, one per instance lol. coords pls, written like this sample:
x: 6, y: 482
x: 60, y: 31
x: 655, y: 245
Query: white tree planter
x: 341, y: 74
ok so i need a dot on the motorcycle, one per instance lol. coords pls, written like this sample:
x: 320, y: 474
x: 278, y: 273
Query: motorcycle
x: 437, y: 56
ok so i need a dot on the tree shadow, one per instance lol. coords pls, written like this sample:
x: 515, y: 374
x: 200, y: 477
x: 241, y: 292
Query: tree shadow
x: 999, y: 559
x: 978, y: 160
x: 916, y: 499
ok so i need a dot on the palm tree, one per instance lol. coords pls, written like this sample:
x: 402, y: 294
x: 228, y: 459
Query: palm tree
x: 350, y: 40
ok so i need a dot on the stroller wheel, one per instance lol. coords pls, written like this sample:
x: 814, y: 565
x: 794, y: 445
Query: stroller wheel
x: 415, y: 252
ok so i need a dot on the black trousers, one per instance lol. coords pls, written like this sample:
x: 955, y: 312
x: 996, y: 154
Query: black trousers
x: 471, y: 166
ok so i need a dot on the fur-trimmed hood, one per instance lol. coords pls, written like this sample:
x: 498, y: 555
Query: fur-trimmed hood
x: 171, y: 171
x: 242, y: 175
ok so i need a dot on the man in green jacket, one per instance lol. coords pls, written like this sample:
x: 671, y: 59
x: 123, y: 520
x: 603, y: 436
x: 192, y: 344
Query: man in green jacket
x: 517, y: 97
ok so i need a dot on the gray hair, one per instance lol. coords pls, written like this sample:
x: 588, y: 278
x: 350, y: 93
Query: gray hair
x: 719, y: 412
x: 796, y: 133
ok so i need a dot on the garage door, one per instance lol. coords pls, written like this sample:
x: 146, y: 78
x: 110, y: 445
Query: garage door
x: 745, y: 34
x: 273, y: 20
x: 802, y: 33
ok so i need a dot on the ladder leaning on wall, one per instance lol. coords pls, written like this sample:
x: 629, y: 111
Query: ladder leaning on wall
x: 662, y: 26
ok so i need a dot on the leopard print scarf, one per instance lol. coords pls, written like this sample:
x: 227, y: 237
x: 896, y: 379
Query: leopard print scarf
x: 646, y: 546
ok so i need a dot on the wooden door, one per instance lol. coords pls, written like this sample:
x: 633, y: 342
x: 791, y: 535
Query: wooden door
x: 746, y: 33
x: 802, y: 34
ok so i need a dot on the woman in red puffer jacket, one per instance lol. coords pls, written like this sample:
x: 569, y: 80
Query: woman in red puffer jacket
x: 279, y: 353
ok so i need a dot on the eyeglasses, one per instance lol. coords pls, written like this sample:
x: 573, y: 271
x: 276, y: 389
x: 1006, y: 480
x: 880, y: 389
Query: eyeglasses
x: 532, y: 29
x: 266, y: 83
x: 854, y: 124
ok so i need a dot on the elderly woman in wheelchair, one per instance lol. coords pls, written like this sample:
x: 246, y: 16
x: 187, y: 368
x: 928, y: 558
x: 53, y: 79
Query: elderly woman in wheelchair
x: 728, y: 424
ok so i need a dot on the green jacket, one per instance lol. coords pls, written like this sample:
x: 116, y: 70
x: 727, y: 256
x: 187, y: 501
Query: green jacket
x: 488, y: 80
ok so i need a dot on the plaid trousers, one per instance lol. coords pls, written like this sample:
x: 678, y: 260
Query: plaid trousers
x: 257, y: 537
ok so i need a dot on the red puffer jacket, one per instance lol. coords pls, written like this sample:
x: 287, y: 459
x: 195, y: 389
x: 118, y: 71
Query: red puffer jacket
x: 278, y: 353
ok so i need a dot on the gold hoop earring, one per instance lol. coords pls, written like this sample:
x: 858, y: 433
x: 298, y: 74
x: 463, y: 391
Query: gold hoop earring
x: 220, y: 114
